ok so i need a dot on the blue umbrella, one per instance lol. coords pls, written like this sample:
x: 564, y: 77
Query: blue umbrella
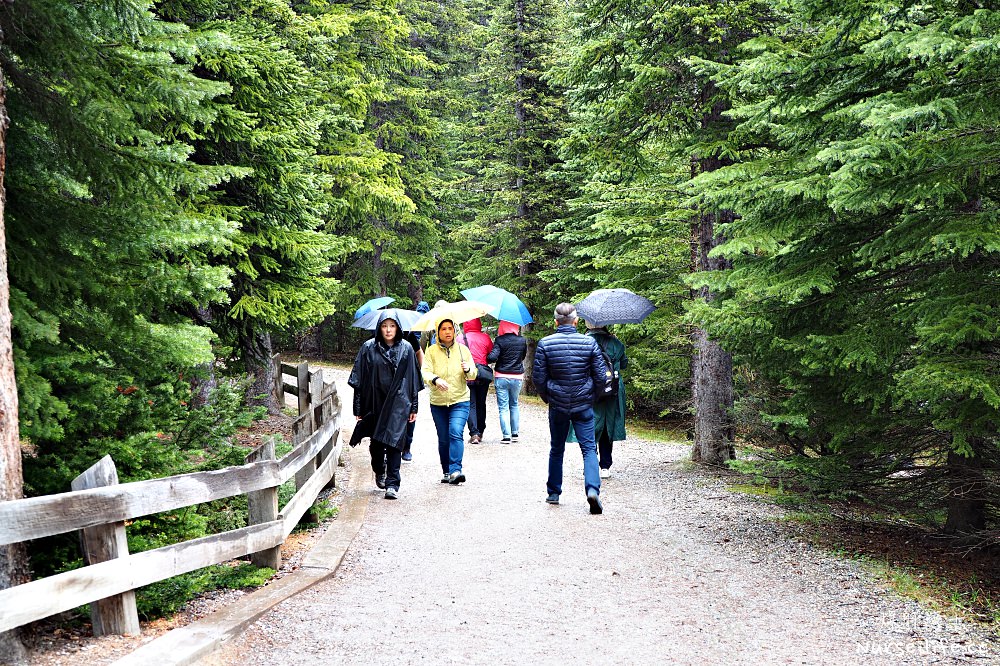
x: 504, y: 305
x: 406, y: 319
x: 614, y: 306
x: 374, y: 304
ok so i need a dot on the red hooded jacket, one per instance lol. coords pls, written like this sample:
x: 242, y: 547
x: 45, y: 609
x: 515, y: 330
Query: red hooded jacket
x: 478, y: 342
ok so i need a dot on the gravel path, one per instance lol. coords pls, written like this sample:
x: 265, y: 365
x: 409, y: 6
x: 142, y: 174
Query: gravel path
x: 677, y: 570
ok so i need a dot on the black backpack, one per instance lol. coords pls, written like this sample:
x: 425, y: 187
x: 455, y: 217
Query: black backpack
x: 610, y: 389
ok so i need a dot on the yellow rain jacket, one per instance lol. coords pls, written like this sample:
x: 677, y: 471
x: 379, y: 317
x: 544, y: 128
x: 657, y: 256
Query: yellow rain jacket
x: 447, y: 364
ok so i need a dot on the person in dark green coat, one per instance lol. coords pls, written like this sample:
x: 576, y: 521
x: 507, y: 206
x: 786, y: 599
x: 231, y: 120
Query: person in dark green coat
x: 609, y: 416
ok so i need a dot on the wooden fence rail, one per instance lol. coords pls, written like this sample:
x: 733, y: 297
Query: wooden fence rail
x: 98, y: 507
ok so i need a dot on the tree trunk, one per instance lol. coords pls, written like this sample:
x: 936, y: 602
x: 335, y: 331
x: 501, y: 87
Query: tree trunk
x: 415, y: 290
x: 378, y: 267
x: 204, y: 380
x: 529, y: 362
x: 13, y: 558
x: 713, y: 398
x: 310, y: 343
x: 966, y: 492
x: 711, y: 366
x: 257, y: 356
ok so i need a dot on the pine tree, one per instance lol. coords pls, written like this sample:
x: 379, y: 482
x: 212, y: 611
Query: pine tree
x: 268, y: 125
x: 865, y: 251
x: 387, y: 174
x: 511, y: 152
x: 109, y: 230
x: 651, y: 118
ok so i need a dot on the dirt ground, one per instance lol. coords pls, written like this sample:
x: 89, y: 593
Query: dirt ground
x: 677, y: 570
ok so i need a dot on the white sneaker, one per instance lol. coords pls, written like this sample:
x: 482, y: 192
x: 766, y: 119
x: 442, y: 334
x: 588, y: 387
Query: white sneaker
x: 605, y: 473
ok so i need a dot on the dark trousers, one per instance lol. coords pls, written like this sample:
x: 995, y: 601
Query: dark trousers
x: 409, y: 436
x: 386, y: 460
x: 604, y: 445
x: 477, y: 406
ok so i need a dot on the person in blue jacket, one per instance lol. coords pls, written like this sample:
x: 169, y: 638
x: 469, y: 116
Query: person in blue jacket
x: 568, y: 368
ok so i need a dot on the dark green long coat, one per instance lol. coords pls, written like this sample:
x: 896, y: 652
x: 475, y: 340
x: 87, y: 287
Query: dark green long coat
x: 609, y: 415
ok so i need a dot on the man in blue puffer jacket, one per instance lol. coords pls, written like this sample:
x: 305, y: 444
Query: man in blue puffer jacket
x: 568, y: 367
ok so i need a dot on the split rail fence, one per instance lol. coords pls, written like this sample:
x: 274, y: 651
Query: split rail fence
x: 98, y: 507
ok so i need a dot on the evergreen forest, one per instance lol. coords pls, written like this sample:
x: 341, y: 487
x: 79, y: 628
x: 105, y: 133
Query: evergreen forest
x: 808, y: 192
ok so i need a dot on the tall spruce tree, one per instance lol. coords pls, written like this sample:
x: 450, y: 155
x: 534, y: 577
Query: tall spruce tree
x: 866, y: 252
x: 387, y: 177
x: 269, y: 125
x: 108, y: 226
x: 631, y: 79
x: 510, y: 151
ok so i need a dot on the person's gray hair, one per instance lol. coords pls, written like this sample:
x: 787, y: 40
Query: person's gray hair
x: 565, y: 314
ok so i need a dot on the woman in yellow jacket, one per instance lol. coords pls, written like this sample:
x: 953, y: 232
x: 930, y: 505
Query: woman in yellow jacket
x: 447, y: 366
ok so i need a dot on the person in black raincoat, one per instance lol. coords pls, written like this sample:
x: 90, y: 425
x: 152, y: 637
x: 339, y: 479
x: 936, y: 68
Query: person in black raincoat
x: 386, y: 380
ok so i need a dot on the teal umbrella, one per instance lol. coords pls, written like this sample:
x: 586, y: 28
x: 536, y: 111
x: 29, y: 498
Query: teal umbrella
x: 504, y: 305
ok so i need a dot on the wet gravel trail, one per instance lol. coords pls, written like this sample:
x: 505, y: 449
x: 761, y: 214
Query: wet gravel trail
x: 677, y: 570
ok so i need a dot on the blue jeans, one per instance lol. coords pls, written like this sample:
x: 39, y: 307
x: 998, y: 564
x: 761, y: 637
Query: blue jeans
x: 450, y: 422
x: 583, y: 424
x: 508, y: 391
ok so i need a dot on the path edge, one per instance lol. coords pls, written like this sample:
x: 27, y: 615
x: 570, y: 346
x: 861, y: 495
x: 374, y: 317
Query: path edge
x: 193, y: 642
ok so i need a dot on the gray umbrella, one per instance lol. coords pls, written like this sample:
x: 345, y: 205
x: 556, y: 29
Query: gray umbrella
x: 614, y: 306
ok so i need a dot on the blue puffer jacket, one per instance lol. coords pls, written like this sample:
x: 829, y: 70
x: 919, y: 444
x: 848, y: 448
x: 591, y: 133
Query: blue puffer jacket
x: 567, y: 367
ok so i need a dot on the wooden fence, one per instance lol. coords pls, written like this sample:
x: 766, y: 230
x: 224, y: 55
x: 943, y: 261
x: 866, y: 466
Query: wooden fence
x: 98, y: 507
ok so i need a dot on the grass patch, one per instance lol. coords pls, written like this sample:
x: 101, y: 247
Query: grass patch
x: 967, y: 599
x: 166, y: 597
x: 777, y: 495
x: 657, y: 432
x: 810, y: 518
x: 323, y: 511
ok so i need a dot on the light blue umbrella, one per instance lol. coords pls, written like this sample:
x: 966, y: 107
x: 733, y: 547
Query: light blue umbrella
x: 504, y: 305
x: 406, y: 318
x: 373, y: 304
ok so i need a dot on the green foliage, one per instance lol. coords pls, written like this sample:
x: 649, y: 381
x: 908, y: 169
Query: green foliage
x: 508, y: 152
x: 388, y: 175
x: 865, y: 262
x: 192, y: 439
x: 108, y: 229
x: 269, y: 124
x: 642, y: 118
x: 166, y: 597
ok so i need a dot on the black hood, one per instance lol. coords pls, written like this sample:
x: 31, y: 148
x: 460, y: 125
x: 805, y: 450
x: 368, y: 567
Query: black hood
x: 388, y: 314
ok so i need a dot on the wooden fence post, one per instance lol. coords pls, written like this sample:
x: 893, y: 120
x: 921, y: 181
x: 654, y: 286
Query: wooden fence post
x: 316, y: 397
x: 263, y: 505
x: 330, y: 409
x: 117, y: 614
x: 279, y: 388
x: 302, y: 386
x: 313, y: 423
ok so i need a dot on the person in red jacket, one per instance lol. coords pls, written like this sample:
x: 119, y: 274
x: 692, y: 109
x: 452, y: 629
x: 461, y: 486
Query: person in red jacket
x: 480, y: 345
